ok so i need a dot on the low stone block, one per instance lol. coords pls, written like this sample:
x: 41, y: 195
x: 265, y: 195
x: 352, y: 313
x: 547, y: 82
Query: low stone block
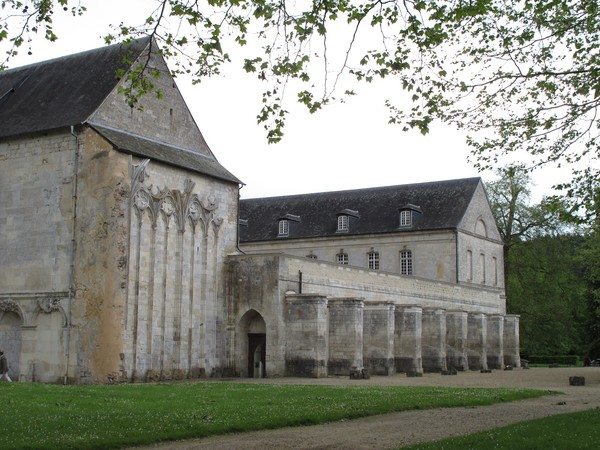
x: 355, y: 374
x: 414, y: 373
x: 577, y: 381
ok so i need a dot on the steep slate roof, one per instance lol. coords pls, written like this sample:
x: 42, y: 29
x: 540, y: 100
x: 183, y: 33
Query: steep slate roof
x: 437, y: 205
x: 180, y: 157
x: 63, y: 91
x: 66, y: 91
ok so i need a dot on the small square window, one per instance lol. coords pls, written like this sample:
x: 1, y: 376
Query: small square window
x: 284, y: 227
x: 406, y: 218
x: 342, y: 223
x: 342, y: 258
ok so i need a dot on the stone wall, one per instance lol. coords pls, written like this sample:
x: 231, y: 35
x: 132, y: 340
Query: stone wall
x: 182, y: 225
x: 307, y: 335
x: 363, y: 331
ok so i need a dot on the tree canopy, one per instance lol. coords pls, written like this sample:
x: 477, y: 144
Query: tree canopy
x: 522, y: 77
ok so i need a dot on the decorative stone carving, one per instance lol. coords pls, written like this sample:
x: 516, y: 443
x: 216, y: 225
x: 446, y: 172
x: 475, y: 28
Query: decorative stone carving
x: 181, y: 205
x: 195, y: 210
x: 167, y: 206
x: 137, y: 173
x: 141, y: 199
x: 49, y: 304
x: 211, y: 202
x: 9, y: 305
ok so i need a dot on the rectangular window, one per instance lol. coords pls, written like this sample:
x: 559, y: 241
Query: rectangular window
x: 482, y: 267
x: 373, y: 260
x: 342, y: 223
x: 342, y: 258
x: 469, y: 265
x: 406, y: 218
x: 495, y: 263
x: 406, y: 262
x: 284, y: 227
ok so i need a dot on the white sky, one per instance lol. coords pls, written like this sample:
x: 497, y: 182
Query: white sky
x: 344, y: 146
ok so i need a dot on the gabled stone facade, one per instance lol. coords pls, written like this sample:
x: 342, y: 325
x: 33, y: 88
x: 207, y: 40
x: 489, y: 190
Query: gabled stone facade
x: 119, y: 234
x: 114, y: 226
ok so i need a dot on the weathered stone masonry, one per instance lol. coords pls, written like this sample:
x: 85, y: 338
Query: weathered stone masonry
x: 329, y: 334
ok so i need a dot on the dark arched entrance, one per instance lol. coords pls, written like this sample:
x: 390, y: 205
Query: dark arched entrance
x: 253, y: 340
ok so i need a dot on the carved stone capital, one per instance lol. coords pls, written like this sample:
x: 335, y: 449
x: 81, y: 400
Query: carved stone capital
x: 49, y: 304
x: 9, y: 305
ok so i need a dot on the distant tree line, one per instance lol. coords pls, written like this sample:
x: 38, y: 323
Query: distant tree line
x: 552, y: 268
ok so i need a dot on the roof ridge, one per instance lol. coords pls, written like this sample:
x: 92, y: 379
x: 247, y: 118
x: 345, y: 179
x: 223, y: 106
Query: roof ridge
x: 366, y: 189
x: 128, y: 43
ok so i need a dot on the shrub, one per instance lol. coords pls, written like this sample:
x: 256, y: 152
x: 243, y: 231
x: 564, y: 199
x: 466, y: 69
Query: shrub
x: 566, y: 360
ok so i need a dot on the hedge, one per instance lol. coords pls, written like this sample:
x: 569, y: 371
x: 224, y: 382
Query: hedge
x: 565, y: 360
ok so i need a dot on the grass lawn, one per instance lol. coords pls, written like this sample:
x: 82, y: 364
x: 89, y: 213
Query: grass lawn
x: 41, y: 416
x: 566, y: 431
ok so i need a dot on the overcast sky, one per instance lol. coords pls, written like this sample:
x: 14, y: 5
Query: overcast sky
x: 344, y: 146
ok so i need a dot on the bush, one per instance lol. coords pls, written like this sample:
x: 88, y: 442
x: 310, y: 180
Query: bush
x: 565, y: 360
x: 594, y: 350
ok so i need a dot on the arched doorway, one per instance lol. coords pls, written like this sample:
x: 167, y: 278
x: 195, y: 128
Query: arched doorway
x: 257, y: 354
x: 253, y: 343
x: 10, y: 337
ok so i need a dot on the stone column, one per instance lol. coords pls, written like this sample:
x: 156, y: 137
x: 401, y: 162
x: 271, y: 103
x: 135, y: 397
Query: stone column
x: 407, y: 339
x: 306, y: 338
x: 456, y: 340
x: 476, y: 341
x: 495, y: 341
x: 378, y: 338
x: 511, y: 341
x: 345, y: 335
x: 434, y: 340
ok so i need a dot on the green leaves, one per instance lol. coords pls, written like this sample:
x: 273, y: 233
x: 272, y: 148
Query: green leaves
x: 521, y: 76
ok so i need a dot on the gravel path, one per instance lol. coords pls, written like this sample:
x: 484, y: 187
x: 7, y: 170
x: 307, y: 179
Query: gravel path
x: 410, y: 427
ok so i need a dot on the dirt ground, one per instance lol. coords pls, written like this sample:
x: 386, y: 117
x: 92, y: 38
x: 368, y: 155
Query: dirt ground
x: 410, y: 427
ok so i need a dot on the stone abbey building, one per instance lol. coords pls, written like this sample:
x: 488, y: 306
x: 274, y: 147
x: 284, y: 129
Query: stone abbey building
x: 126, y: 254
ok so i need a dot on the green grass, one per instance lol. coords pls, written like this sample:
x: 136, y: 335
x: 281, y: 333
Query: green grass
x: 91, y: 417
x: 566, y: 431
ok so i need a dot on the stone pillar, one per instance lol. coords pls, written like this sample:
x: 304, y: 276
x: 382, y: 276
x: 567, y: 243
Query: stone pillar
x: 306, y: 338
x: 456, y: 340
x: 511, y: 341
x: 345, y: 335
x: 495, y: 341
x: 378, y: 338
x: 476, y: 341
x: 407, y: 339
x: 434, y: 340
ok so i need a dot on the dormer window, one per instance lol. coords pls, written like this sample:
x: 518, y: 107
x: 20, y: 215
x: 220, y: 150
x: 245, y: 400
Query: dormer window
x: 406, y: 218
x: 284, y: 227
x: 407, y: 215
x: 345, y: 218
x: 284, y: 224
x: 342, y: 223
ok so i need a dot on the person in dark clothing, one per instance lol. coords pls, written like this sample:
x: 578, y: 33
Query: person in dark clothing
x: 3, y: 367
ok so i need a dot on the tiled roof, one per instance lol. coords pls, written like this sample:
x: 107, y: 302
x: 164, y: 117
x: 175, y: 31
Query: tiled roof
x: 63, y: 91
x: 435, y: 205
